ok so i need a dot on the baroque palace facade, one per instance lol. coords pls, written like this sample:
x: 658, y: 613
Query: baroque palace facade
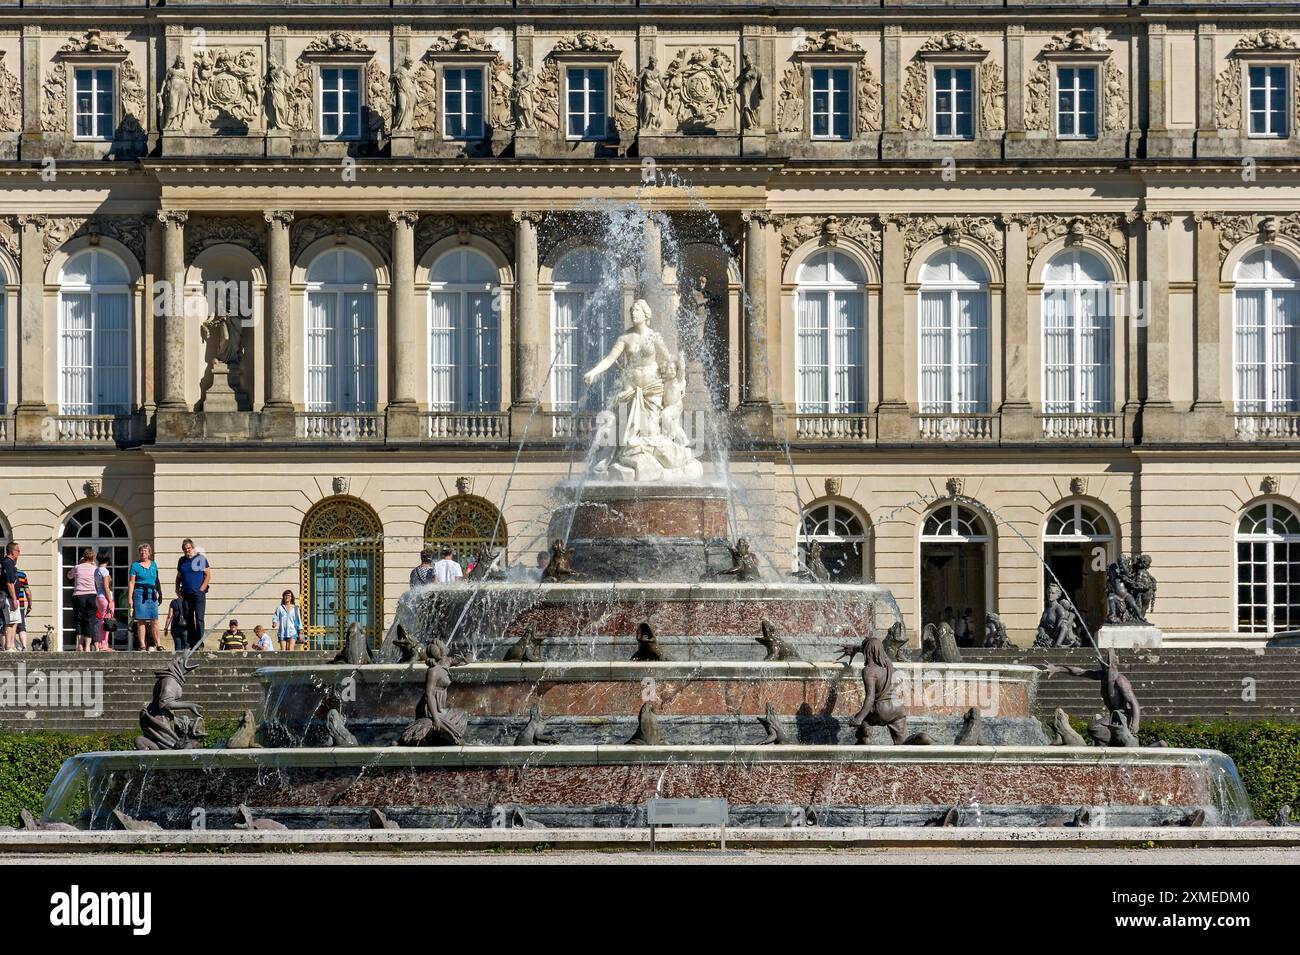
x: 989, y: 281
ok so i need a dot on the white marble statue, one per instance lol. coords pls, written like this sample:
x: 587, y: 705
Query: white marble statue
x: 653, y: 445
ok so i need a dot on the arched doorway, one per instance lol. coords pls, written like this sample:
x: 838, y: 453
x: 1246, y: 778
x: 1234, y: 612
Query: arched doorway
x: 467, y: 524
x: 98, y: 527
x: 1078, y: 544
x: 342, y: 565
x: 954, y: 566
x: 1268, y: 569
x: 841, y: 531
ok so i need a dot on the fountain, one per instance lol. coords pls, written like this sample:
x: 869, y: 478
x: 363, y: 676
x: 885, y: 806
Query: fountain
x: 660, y: 654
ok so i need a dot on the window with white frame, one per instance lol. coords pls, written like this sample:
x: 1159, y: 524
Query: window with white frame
x: 1266, y: 332
x: 462, y: 102
x: 587, y: 114
x: 340, y: 102
x: 830, y: 342
x: 94, y: 105
x: 464, y: 333
x: 94, y: 335
x: 839, y: 533
x: 586, y: 319
x: 1078, y: 363
x: 954, y: 338
x: 954, y: 102
x: 341, y: 339
x: 1268, y: 569
x: 1076, y: 102
x: 831, y: 102
x: 1269, y: 100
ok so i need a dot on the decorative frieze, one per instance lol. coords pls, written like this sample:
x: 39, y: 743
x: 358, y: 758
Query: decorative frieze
x: 372, y: 227
x: 10, y: 239
x: 128, y: 230
x: 1043, y: 228
x: 1235, y: 228
x: 828, y: 230
x: 918, y: 230
x: 247, y: 232
x: 434, y: 227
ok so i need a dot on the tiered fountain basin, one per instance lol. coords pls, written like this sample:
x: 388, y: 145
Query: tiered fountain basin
x: 706, y: 702
x: 607, y: 786
x: 694, y: 621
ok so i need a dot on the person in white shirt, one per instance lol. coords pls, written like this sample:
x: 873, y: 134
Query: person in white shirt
x: 447, y: 571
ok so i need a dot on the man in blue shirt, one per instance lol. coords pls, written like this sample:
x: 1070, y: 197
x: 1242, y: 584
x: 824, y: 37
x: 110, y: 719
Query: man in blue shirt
x: 193, y: 575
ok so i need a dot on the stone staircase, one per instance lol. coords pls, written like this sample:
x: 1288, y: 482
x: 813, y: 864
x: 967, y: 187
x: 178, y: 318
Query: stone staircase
x: 1179, y: 684
x: 223, y: 685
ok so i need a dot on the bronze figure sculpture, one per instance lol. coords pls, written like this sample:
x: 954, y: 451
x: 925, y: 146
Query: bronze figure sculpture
x: 777, y: 648
x: 355, y: 652
x: 972, y: 729
x: 647, y: 645
x: 647, y: 728
x: 168, y: 722
x: 560, y: 567
x: 527, y: 649
x: 534, y: 731
x: 744, y: 562
x: 1065, y: 733
x: 1116, y: 692
x: 437, y: 723
x: 339, y: 735
x: 775, y: 732
x: 880, y: 704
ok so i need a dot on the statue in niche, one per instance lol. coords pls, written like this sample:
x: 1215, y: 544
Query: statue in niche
x: 749, y: 88
x: 406, y: 92
x: 222, y: 334
x: 175, y: 96
x: 650, y: 95
x: 645, y: 452
x: 525, y: 96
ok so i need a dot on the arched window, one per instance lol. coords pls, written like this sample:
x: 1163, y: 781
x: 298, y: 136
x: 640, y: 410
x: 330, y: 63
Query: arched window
x: 955, y: 570
x: 1266, y: 313
x: 954, y: 334
x: 98, y: 527
x: 843, y: 538
x: 342, y: 565
x: 586, y: 316
x: 340, y: 335
x: 831, y: 343
x: 1078, y: 544
x: 1268, y: 569
x: 464, y: 333
x: 94, y: 335
x: 1078, y: 367
x: 467, y: 524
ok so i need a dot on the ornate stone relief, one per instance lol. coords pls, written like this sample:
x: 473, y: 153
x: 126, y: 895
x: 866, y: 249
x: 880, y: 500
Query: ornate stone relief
x: 697, y: 86
x: 912, y: 107
x: 918, y: 230
x: 201, y: 232
x: 500, y: 107
x: 870, y: 107
x: 1266, y: 40
x: 226, y: 86
x: 955, y: 486
x: 1269, y: 484
x: 1116, y: 97
x: 1227, y: 96
x: 372, y: 227
x: 293, y: 96
x: 1038, y: 97
x: 1038, y: 85
x: 547, y: 107
x: 952, y: 42
x: 11, y: 100
x: 10, y: 239
x: 993, y: 97
x: 695, y: 228
x: 434, y: 227
x: 796, y: 230
x: 129, y: 230
x: 1078, y: 485
x: 789, y: 103
x: 341, y: 484
x: 1234, y: 229
x: 1043, y: 228
x: 93, y: 45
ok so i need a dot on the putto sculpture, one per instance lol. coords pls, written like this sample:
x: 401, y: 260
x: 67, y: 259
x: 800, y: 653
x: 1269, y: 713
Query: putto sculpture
x: 168, y: 722
x: 995, y: 633
x: 644, y: 452
x: 1056, y: 626
x: 1130, y: 590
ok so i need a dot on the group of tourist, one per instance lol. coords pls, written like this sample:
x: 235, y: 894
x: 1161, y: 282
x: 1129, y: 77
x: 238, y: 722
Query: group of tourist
x: 448, y: 570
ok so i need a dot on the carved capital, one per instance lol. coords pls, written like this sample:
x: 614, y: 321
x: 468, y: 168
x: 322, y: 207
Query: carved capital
x: 404, y: 216
x: 1164, y: 218
x: 36, y: 222
x: 176, y: 218
x: 761, y: 216
x: 533, y: 216
x: 278, y: 217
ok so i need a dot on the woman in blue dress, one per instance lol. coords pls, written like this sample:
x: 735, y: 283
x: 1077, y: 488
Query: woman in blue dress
x: 143, y: 595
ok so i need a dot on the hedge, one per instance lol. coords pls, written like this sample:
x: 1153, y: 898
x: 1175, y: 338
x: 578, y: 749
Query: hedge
x: 30, y: 761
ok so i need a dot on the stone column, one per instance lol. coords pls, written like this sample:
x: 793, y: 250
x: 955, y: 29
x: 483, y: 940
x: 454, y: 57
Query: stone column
x: 528, y: 333
x: 32, y: 411
x: 756, y: 406
x: 279, y: 395
x: 894, y: 420
x: 1017, y: 415
x: 404, y: 341
x: 171, y: 387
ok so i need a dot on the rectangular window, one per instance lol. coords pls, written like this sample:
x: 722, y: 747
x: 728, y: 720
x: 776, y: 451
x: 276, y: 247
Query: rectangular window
x: 93, y: 106
x: 340, y: 103
x: 830, y: 103
x: 586, y: 93
x: 462, y: 102
x: 1268, y: 101
x: 954, y: 103
x: 1076, y: 102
